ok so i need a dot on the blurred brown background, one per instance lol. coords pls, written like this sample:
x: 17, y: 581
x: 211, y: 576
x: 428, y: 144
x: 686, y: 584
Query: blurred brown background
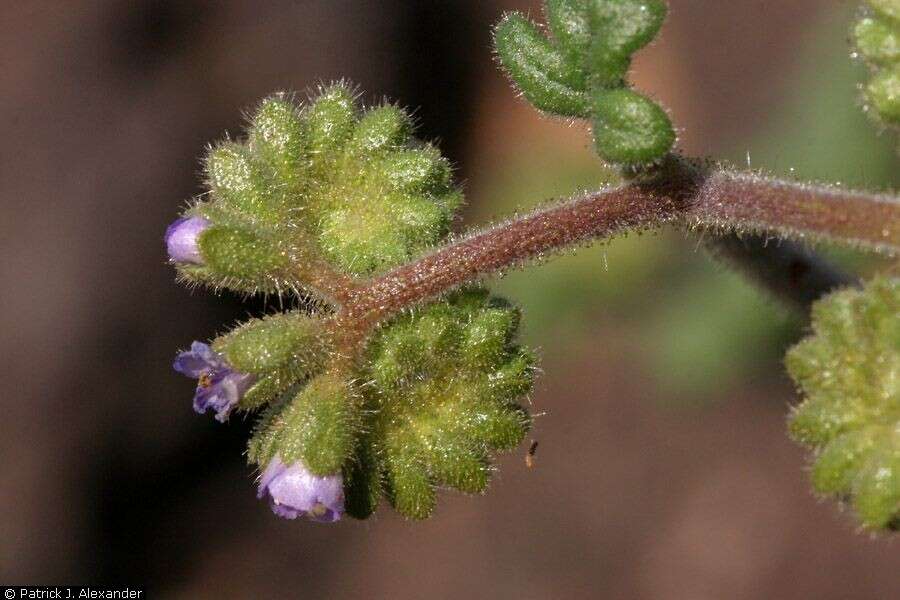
x: 663, y: 469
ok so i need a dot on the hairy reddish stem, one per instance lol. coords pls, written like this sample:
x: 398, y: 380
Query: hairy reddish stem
x: 796, y: 211
x: 677, y: 191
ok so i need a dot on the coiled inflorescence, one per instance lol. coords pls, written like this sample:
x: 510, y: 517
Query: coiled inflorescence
x: 321, y: 187
x: 436, y: 393
x: 581, y: 71
x: 849, y: 373
x: 877, y: 35
x: 316, y: 200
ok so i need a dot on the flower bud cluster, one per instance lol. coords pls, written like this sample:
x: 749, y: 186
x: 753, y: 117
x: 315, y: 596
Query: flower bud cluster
x: 580, y: 71
x: 849, y: 374
x: 328, y: 195
x: 322, y: 187
x: 877, y: 35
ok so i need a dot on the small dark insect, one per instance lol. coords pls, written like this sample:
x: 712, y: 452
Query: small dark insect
x: 529, y: 458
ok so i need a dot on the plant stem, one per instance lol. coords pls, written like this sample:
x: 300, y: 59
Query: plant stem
x: 784, y: 209
x: 507, y: 245
x: 692, y: 193
x: 785, y: 268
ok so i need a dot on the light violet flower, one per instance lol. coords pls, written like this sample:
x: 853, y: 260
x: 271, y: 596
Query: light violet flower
x: 294, y: 491
x: 181, y: 239
x: 219, y: 387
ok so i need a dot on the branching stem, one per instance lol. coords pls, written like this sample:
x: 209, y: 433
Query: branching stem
x: 691, y: 193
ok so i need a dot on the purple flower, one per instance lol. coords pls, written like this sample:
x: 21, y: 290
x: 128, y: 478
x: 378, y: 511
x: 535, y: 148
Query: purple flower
x: 219, y: 387
x: 294, y: 491
x: 181, y: 239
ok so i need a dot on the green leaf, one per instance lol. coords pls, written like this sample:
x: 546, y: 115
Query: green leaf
x: 570, y: 23
x: 582, y: 70
x: 549, y: 81
x: 619, y: 29
x: 630, y: 128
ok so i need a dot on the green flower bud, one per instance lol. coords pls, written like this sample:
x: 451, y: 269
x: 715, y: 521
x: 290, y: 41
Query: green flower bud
x: 878, y: 40
x: 630, y: 128
x: 409, y: 488
x: 501, y: 426
x: 488, y: 336
x: 267, y: 389
x: 361, y: 239
x: 292, y: 341
x: 543, y: 75
x: 243, y: 255
x: 883, y: 92
x: 236, y: 179
x: 317, y: 425
x: 278, y: 137
x: 515, y: 379
x: 326, y: 183
x: 839, y: 462
x: 263, y: 443
x: 888, y: 8
x: 443, y: 382
x: 330, y: 119
x: 458, y: 466
x: 418, y: 170
x: 320, y: 425
x: 876, y: 490
x: 850, y: 414
x: 382, y: 128
x: 362, y: 481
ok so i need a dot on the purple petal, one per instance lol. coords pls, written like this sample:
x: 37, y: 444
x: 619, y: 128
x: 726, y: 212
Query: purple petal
x: 219, y: 388
x: 198, y: 360
x: 275, y: 468
x: 294, y: 491
x: 285, y: 512
x: 181, y: 239
x: 222, y: 393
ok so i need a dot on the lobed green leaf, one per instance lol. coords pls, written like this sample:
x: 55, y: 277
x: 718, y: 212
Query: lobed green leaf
x: 541, y: 72
x: 630, y: 128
